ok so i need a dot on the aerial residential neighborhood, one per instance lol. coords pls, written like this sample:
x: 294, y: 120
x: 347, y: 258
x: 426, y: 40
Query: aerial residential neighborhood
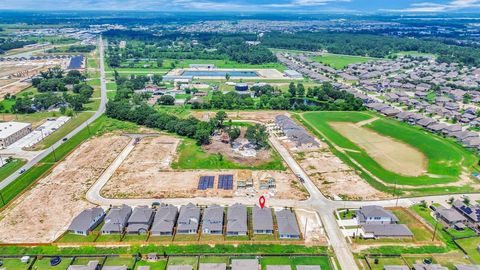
x: 239, y: 135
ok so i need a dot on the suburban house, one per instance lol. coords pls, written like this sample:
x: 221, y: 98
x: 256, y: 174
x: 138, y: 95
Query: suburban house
x: 86, y: 221
x: 262, y: 220
x: 237, y: 220
x: 396, y: 267
x: 428, y: 267
x: 245, y: 264
x: 472, y: 213
x: 386, y: 231
x: 374, y: 214
x: 188, y: 219
x: 309, y: 267
x: 116, y: 219
x: 140, y: 220
x: 467, y: 267
x: 213, y: 266
x: 122, y: 267
x: 92, y: 265
x: 179, y: 267
x: 212, y: 222
x: 164, y: 220
x: 450, y: 216
x: 287, y: 224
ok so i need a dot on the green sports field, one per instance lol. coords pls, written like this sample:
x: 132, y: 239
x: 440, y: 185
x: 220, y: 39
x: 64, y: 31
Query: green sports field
x: 445, y: 158
x: 339, y: 61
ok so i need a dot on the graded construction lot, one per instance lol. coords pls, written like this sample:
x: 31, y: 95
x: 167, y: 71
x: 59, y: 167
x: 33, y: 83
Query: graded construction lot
x: 41, y: 214
x: 260, y: 116
x: 446, y: 161
x: 148, y: 165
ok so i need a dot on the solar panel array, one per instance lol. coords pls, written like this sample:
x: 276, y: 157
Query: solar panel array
x: 76, y: 62
x: 467, y: 210
x: 225, y: 181
x: 206, y: 182
x: 477, y: 213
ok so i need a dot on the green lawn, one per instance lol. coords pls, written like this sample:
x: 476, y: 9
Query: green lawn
x: 44, y: 264
x: 109, y: 238
x: 185, y: 237
x: 420, y: 232
x: 192, y: 156
x: 339, y: 61
x: 86, y: 260
x: 11, y: 167
x: 6, y: 105
x: 215, y: 259
x: 14, y: 264
x: 182, y: 96
x: 382, y: 261
x: 74, y: 238
x: 323, y: 261
x: 467, y: 232
x: 120, y: 261
x: 94, y: 82
x: 160, y: 265
x: 111, y: 86
x: 183, y: 260
x: 135, y: 238
x: 445, y: 158
x: 74, y: 122
x: 470, y: 246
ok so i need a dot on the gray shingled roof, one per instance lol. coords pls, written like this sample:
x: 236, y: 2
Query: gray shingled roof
x: 237, y: 218
x: 450, y: 214
x: 395, y: 267
x: 262, y: 218
x: 374, y: 211
x: 388, y: 230
x: 429, y: 267
x: 117, y: 218
x: 179, y: 267
x: 141, y: 214
x: 279, y: 267
x: 244, y: 264
x: 189, y: 218
x: 213, y: 218
x: 309, y: 267
x: 467, y: 267
x: 86, y: 218
x: 287, y: 222
x: 165, y: 218
x: 212, y: 266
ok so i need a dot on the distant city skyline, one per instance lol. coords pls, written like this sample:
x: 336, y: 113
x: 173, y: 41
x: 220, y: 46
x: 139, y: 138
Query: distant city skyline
x: 359, y: 6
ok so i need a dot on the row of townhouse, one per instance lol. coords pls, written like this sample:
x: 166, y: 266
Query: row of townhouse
x: 189, y: 220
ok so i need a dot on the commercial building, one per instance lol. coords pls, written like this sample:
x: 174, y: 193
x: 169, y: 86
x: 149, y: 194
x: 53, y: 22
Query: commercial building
x: 11, y: 132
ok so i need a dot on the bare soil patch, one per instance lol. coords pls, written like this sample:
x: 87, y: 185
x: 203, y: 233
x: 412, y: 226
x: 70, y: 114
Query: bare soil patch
x: 43, y: 213
x: 149, y: 166
x: 260, y: 116
x: 391, y: 154
x: 334, y: 178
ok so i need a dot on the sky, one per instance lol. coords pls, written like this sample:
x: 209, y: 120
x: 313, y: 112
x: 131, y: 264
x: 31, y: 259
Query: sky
x: 363, y: 6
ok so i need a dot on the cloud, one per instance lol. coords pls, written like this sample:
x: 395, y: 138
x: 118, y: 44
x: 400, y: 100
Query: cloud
x: 306, y: 3
x: 436, y: 7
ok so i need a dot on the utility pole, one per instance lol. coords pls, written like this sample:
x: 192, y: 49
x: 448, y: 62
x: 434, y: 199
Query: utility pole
x: 435, y: 231
x: 1, y: 197
x: 53, y: 151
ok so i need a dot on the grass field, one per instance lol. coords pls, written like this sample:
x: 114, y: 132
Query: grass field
x: 14, y: 264
x: 193, y: 261
x: 44, y: 264
x: 11, y: 167
x: 339, y: 61
x: 470, y: 246
x: 446, y: 159
x: 378, y: 262
x: 192, y: 156
x: 120, y: 261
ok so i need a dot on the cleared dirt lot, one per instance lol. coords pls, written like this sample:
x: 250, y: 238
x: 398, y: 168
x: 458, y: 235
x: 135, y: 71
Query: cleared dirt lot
x: 146, y: 173
x: 391, y: 154
x: 43, y: 213
x: 334, y: 178
x: 261, y: 116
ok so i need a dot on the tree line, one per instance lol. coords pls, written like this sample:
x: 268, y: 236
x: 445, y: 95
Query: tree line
x: 371, y: 45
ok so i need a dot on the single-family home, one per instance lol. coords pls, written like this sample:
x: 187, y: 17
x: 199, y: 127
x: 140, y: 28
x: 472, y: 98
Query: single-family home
x: 140, y: 220
x: 396, y: 267
x: 374, y: 214
x: 309, y: 267
x: 212, y: 222
x: 164, y: 220
x: 91, y: 265
x: 386, y: 231
x: 188, y: 219
x: 213, y: 266
x: 428, y: 267
x: 279, y: 267
x: 287, y: 224
x: 467, y: 267
x: 245, y: 264
x: 86, y: 221
x: 450, y: 216
x: 116, y: 219
x: 179, y: 267
x: 237, y: 220
x: 262, y: 220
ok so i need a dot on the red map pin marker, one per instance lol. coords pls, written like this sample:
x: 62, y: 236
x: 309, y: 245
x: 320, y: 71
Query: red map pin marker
x: 262, y: 201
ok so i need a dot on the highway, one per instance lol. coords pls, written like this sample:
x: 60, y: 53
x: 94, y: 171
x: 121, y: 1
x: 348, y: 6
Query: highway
x: 98, y: 113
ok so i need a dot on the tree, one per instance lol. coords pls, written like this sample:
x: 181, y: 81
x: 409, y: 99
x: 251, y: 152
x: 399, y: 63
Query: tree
x: 166, y: 100
x: 202, y: 134
x: 300, y: 90
x: 466, y: 200
x: 258, y: 136
x: 227, y: 76
x: 220, y: 117
x: 233, y: 133
x: 159, y: 62
x: 292, y: 89
x: 157, y: 79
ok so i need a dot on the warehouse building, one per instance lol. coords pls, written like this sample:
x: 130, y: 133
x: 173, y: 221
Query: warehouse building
x: 11, y: 132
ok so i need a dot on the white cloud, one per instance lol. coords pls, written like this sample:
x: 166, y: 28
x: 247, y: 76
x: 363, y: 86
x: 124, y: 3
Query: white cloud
x: 436, y: 7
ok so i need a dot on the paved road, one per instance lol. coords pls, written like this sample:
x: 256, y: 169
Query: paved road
x: 98, y: 113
